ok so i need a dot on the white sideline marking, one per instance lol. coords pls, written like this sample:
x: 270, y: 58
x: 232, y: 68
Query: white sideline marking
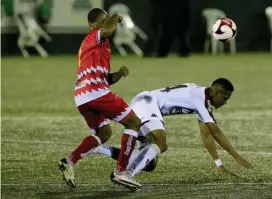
x: 71, y: 144
x: 239, y: 115
x: 36, y: 142
x: 152, y: 184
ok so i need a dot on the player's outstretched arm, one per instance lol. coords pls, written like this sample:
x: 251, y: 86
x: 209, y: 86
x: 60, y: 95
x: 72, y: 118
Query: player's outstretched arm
x: 208, y: 141
x: 115, y: 77
x: 110, y: 26
x: 223, y: 141
x: 209, y: 144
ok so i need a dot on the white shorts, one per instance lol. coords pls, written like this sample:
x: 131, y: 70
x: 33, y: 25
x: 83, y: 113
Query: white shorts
x: 146, y: 107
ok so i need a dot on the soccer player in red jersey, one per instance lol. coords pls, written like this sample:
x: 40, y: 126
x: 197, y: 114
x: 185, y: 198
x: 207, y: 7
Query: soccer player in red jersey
x: 97, y: 103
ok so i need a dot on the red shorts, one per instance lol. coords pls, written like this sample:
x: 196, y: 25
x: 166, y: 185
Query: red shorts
x: 110, y: 106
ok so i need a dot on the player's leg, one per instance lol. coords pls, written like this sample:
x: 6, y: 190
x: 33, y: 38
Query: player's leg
x: 149, y: 152
x: 146, y: 107
x: 113, y: 152
x: 132, y: 126
x: 100, y: 133
x: 89, y: 143
x: 115, y: 108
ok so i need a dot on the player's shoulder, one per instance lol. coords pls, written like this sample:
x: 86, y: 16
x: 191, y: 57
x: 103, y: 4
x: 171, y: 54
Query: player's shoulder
x: 193, y: 85
x: 92, y: 36
x: 195, y: 88
x: 197, y: 91
x: 200, y: 96
x: 93, y: 32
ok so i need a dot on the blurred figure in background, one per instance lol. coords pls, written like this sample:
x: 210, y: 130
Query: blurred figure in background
x: 169, y: 20
x: 31, y: 18
x: 153, y: 32
x: 175, y: 24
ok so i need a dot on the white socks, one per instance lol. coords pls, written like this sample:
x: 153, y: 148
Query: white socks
x: 104, y: 149
x: 108, y: 151
x: 145, y: 156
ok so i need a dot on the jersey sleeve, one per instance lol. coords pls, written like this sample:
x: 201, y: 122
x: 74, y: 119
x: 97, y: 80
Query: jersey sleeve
x: 204, y: 115
x: 204, y: 112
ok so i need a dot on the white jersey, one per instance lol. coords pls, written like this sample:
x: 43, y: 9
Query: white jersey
x: 185, y: 99
x: 181, y: 99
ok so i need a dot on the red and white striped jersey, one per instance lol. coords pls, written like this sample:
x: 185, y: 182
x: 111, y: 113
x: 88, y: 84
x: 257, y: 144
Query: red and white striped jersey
x: 93, y: 68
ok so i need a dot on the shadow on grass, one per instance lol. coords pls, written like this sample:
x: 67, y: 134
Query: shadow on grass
x: 104, y: 194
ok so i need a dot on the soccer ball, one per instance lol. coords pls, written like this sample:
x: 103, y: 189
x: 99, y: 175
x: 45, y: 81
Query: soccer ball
x: 224, y: 30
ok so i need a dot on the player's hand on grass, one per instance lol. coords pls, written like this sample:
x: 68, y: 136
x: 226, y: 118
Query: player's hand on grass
x: 243, y: 162
x: 124, y: 71
x: 223, y: 169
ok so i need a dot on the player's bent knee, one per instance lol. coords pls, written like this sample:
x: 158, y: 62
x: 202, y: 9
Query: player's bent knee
x: 104, y: 133
x: 160, y: 140
x: 163, y: 147
x: 133, y: 123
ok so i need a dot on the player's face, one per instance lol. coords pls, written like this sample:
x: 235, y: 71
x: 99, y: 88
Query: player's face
x: 221, y: 97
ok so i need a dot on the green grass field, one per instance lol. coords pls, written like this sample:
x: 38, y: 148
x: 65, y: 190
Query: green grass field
x: 40, y: 125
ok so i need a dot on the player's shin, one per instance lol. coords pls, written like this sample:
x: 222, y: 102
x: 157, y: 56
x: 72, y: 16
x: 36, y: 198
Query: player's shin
x: 127, y: 145
x: 145, y: 156
x: 113, y: 152
x: 86, y: 147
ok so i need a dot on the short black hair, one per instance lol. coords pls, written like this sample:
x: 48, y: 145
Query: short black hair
x: 225, y: 83
x: 94, y: 14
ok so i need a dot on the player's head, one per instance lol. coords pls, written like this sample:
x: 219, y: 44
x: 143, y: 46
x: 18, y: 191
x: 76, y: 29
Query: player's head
x: 97, y: 18
x: 221, y: 90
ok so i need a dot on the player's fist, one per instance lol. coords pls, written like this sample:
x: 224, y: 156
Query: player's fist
x: 243, y: 162
x: 223, y: 169
x: 124, y: 71
x: 120, y: 19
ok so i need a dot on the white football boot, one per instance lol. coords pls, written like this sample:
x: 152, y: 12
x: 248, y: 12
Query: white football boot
x: 124, y: 179
x: 68, y: 173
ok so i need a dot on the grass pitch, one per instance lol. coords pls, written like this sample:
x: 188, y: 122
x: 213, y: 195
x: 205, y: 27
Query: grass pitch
x: 40, y: 125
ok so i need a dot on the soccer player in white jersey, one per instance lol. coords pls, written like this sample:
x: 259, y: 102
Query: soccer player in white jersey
x: 151, y: 106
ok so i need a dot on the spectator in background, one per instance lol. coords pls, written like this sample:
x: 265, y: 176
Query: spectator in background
x: 153, y: 31
x: 43, y: 13
x: 175, y: 23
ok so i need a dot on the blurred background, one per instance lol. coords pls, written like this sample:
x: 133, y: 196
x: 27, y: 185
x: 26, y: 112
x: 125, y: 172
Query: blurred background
x: 40, y: 123
x: 184, y: 20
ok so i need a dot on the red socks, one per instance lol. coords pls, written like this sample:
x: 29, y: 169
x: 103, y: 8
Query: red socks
x: 127, y: 146
x: 86, y: 145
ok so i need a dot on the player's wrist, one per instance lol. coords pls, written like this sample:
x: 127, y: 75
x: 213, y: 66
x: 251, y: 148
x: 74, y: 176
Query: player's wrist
x: 218, y: 163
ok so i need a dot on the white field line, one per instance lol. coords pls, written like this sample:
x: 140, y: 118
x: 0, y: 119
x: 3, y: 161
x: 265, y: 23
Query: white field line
x: 181, y: 150
x: 239, y: 115
x: 35, y: 142
x: 149, y: 184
